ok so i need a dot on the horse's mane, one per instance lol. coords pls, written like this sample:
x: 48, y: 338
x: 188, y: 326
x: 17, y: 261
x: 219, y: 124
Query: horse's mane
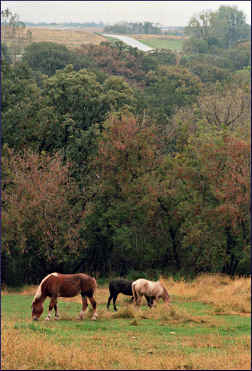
x: 39, y: 291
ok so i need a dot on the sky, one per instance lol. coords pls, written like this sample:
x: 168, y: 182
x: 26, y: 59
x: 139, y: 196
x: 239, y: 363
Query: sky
x: 167, y: 13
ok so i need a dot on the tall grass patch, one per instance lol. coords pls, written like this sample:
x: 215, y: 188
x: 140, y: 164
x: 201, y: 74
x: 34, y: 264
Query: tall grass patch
x: 226, y: 294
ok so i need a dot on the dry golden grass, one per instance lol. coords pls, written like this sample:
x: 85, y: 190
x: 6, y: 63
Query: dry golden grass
x: 226, y: 294
x: 108, y: 355
x: 70, y: 38
x: 167, y: 315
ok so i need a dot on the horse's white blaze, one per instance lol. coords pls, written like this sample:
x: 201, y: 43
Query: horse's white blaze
x: 39, y: 292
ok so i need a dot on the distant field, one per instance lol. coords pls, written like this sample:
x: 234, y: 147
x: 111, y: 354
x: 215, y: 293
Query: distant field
x: 73, y: 38
x: 70, y: 38
x: 174, y: 44
x: 206, y: 326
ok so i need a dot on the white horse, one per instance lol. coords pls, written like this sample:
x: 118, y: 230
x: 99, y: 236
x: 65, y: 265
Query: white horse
x: 151, y: 290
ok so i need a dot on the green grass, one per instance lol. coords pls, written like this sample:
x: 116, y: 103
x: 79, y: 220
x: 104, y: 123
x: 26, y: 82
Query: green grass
x: 141, y: 336
x: 18, y: 307
x: 195, y: 307
x: 173, y: 44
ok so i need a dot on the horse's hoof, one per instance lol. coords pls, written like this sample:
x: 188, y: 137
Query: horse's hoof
x: 47, y: 319
x: 94, y: 317
x: 56, y: 318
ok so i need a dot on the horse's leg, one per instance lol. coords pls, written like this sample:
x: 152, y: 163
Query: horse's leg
x: 139, y: 299
x: 135, y: 298
x: 155, y: 298
x: 56, y: 310
x: 93, y: 303
x: 114, y: 301
x: 109, y: 299
x: 53, y: 302
x: 84, y: 306
x: 149, y: 301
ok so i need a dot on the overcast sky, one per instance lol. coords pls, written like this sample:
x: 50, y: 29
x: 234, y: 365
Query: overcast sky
x: 168, y: 13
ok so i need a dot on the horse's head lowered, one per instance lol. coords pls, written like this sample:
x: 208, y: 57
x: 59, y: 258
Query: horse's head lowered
x: 165, y: 295
x: 37, y: 309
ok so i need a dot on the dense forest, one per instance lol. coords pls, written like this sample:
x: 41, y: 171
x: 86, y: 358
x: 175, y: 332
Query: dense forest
x: 122, y: 162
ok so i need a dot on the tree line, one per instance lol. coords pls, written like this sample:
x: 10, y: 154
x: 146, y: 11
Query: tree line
x: 120, y: 162
x: 133, y: 28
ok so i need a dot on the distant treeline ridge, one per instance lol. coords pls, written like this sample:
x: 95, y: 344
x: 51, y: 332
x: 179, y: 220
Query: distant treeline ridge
x: 68, y: 24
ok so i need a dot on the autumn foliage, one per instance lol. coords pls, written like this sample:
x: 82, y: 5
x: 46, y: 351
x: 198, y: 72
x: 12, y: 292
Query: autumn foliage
x: 39, y: 219
x: 125, y: 163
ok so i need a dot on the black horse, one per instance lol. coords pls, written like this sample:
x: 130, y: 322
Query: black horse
x: 117, y: 286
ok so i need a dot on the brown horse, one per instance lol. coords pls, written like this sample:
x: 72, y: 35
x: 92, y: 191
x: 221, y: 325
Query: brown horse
x: 67, y: 286
x: 151, y: 290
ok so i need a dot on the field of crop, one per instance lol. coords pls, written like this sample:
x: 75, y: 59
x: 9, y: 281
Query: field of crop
x: 207, y: 326
x: 70, y: 38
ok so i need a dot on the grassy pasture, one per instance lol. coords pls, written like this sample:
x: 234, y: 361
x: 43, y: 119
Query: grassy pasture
x: 207, y: 326
x: 173, y: 44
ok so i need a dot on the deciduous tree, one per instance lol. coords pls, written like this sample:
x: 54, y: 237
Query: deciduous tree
x: 41, y: 222
x: 123, y: 212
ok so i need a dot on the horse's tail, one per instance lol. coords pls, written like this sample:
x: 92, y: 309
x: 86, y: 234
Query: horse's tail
x: 134, y: 291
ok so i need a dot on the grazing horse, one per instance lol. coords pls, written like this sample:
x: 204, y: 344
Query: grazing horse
x: 67, y: 286
x: 117, y: 286
x: 151, y: 290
